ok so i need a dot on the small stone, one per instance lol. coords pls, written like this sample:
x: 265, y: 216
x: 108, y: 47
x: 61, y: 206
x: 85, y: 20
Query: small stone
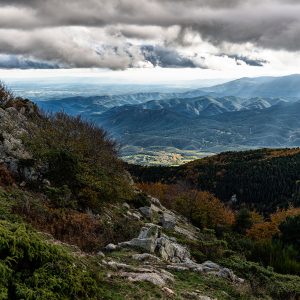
x: 111, y: 247
x: 168, y: 291
x: 101, y: 254
x: 126, y: 205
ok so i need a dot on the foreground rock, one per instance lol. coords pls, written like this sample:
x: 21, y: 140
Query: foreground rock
x: 158, y: 277
x: 153, y: 241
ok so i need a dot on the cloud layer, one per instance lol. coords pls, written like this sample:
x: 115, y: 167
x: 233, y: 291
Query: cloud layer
x: 119, y: 34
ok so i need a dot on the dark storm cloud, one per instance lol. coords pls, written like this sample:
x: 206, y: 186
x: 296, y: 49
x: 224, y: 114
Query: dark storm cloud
x: 166, y: 58
x: 26, y: 27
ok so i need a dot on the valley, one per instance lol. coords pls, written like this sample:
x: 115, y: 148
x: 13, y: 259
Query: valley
x: 248, y: 113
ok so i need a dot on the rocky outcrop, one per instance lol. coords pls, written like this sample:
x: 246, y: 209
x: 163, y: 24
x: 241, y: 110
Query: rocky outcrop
x: 159, y: 277
x: 207, y: 267
x: 153, y: 241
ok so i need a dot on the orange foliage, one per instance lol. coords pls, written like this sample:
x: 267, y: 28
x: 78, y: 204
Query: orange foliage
x: 256, y: 218
x: 201, y: 207
x: 209, y: 211
x: 266, y: 230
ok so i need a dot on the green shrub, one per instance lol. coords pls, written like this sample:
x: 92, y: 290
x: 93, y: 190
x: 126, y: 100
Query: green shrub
x: 30, y: 268
x: 243, y: 221
x: 290, y: 232
x: 81, y: 156
x: 264, y: 282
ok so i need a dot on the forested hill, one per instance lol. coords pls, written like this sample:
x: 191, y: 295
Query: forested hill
x: 263, y: 179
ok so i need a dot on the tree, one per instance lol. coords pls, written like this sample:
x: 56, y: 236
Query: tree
x: 243, y: 221
x: 290, y: 231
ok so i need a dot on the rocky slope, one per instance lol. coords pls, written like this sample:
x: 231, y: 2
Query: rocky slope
x: 125, y: 246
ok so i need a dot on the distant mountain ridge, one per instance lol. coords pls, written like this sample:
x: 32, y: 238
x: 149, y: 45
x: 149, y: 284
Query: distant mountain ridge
x: 244, y: 113
x: 286, y: 86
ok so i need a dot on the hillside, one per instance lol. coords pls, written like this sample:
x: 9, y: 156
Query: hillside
x: 222, y: 124
x: 73, y: 225
x: 262, y: 179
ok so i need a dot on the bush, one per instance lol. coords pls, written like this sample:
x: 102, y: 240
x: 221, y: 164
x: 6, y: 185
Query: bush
x: 33, y: 269
x: 243, y: 221
x: 264, y: 282
x: 81, y: 156
x: 5, y: 95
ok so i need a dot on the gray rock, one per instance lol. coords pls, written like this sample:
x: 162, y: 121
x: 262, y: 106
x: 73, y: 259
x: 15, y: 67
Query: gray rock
x: 101, y: 254
x: 152, y: 240
x: 146, y: 239
x: 171, y: 251
x: 168, y: 291
x: 168, y: 221
x: 177, y: 268
x: 210, y: 266
x: 154, y: 278
x: 155, y: 201
x: 146, y: 257
x: 111, y: 247
x: 146, y: 212
x: 126, y: 205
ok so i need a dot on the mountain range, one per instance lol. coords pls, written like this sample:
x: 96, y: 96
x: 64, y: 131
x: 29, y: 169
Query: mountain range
x: 244, y: 113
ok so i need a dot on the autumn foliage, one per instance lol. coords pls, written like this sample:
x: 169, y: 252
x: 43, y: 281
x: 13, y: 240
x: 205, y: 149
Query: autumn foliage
x: 201, y: 207
x: 265, y: 230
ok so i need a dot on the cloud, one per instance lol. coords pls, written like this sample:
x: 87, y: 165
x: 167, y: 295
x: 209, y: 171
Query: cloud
x: 247, y: 60
x: 166, y: 58
x: 113, y: 33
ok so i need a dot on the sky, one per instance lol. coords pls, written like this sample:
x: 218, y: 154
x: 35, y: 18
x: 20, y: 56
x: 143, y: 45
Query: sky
x: 149, y: 40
